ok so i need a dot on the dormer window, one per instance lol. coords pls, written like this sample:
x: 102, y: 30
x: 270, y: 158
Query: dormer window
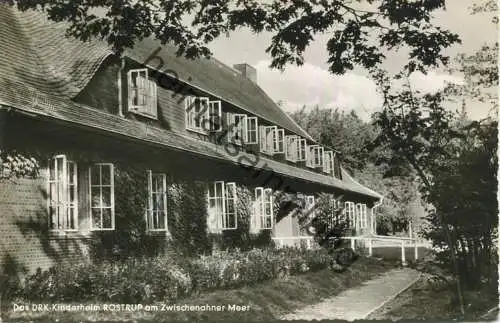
x: 292, y: 148
x: 203, y: 115
x: 328, y: 162
x: 237, y: 133
x: 196, y: 113
x: 314, y: 156
x: 252, y: 133
x: 279, y: 141
x: 302, y: 149
x: 142, y: 94
x: 272, y: 140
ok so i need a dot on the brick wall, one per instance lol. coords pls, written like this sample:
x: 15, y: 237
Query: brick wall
x: 24, y: 236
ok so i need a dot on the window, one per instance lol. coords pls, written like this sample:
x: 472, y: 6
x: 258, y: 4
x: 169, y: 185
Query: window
x: 215, y: 116
x: 272, y: 140
x: 328, y: 162
x: 62, y: 194
x: 197, y: 111
x: 318, y: 156
x: 291, y: 148
x: 237, y: 128
x: 156, y: 215
x: 278, y: 141
x: 362, y: 218
x: 349, y: 213
x: 266, y: 143
x: 222, y: 212
x: 263, y: 208
x: 142, y: 93
x: 310, y: 156
x: 310, y: 206
x: 252, y: 134
x: 302, y: 150
x: 102, y: 204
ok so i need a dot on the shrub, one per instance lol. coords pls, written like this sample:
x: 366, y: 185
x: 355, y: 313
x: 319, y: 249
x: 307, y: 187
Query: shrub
x: 162, y: 279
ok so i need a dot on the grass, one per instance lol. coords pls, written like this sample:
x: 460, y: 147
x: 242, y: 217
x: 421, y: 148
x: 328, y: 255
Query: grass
x: 265, y: 301
x: 430, y: 300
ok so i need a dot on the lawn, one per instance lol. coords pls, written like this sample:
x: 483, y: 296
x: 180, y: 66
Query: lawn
x: 265, y: 301
x: 431, y: 300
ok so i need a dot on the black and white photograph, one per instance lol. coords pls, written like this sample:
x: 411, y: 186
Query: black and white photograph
x: 248, y: 160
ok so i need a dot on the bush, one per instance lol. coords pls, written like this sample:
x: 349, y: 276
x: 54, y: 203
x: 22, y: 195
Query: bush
x: 161, y: 279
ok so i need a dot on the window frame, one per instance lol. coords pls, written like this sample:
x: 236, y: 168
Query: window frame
x: 66, y: 203
x: 263, y: 200
x: 214, y: 119
x: 328, y: 162
x: 112, y: 196
x: 221, y: 215
x: 254, y: 131
x: 191, y: 114
x: 149, y: 210
x: 310, y: 156
x: 142, y: 86
x: 292, y: 147
x: 237, y: 128
x: 279, y: 141
x: 302, y: 150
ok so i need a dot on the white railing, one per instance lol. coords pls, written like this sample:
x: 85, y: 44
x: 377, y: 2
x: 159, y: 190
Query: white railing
x: 375, y: 241
x: 294, y: 241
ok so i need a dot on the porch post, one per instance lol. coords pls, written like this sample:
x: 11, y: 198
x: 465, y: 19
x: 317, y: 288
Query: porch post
x: 403, y: 256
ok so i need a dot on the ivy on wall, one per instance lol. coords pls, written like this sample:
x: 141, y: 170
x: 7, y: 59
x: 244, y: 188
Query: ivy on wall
x: 15, y: 165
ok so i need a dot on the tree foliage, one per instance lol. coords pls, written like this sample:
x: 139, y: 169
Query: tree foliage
x: 361, y: 31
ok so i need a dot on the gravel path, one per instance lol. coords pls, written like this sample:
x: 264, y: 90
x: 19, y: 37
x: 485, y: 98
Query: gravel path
x: 358, y: 303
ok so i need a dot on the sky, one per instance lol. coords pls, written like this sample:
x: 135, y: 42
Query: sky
x: 311, y: 84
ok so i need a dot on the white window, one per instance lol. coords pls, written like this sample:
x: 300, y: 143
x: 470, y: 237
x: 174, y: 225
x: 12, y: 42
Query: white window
x: 362, y: 218
x: 197, y: 114
x: 318, y: 157
x: 349, y: 211
x: 272, y: 140
x: 267, y: 134
x: 310, y: 156
x: 328, y: 162
x: 302, y: 150
x: 102, y: 196
x: 142, y: 93
x: 310, y: 206
x: 215, y: 116
x: 156, y: 215
x: 222, y: 211
x: 237, y: 128
x: 292, y: 148
x: 279, y: 141
x: 263, y: 208
x: 62, y: 194
x: 252, y: 134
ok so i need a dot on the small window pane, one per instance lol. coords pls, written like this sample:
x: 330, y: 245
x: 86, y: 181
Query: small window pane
x: 96, y: 218
x: 106, y: 175
x: 106, y: 218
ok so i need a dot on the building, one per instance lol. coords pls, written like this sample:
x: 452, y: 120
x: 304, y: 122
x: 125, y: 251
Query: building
x: 90, y: 119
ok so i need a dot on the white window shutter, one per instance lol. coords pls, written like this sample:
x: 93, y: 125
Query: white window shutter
x: 262, y: 139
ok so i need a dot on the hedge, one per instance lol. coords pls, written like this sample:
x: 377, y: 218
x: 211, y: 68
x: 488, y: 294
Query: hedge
x: 161, y: 279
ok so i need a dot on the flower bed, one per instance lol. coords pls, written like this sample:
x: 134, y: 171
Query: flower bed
x: 163, y: 279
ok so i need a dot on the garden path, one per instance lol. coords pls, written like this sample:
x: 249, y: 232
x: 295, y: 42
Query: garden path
x: 358, y: 303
